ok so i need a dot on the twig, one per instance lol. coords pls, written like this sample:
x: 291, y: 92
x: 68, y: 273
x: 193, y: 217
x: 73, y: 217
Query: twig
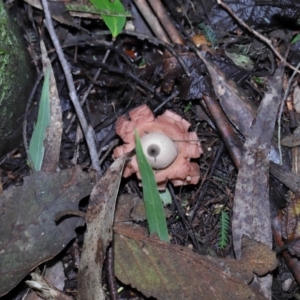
x: 206, y: 184
x: 171, y: 97
x: 258, y: 35
x: 72, y: 90
x: 108, y: 149
x: 166, y: 22
x: 140, y: 82
x: 229, y: 137
x: 87, y: 92
x: 151, y: 20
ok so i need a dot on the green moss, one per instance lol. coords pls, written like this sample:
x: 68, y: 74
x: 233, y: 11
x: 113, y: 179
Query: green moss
x: 15, y: 81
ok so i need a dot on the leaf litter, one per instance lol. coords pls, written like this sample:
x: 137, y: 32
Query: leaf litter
x: 153, y: 267
x: 261, y: 166
x: 29, y: 234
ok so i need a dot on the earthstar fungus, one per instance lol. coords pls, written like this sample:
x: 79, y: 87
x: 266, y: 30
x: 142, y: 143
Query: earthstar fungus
x: 167, y: 145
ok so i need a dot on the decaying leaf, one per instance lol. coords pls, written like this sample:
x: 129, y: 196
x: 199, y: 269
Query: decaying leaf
x: 251, y: 204
x: 58, y: 12
x: 296, y: 98
x: 292, y: 140
x: 251, y: 209
x: 99, y: 221
x: 44, y: 289
x: 286, y: 230
x: 167, y: 271
x: 291, y: 261
x: 53, y: 135
x: 131, y: 208
x: 239, y: 109
x: 29, y: 234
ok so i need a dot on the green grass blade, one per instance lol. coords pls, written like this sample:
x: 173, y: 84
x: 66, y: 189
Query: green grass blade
x: 36, y: 146
x: 112, y: 13
x: 153, y: 204
x: 295, y: 39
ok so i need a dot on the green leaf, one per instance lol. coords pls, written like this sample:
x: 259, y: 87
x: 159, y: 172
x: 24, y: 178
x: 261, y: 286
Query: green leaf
x: 295, y: 39
x: 165, y: 196
x: 112, y: 13
x: 36, y: 146
x: 153, y: 204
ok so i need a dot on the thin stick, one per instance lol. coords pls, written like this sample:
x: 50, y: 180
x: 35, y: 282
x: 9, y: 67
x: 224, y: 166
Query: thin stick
x: 258, y: 35
x: 166, y: 21
x: 72, y: 90
x: 87, y: 92
x: 151, y: 19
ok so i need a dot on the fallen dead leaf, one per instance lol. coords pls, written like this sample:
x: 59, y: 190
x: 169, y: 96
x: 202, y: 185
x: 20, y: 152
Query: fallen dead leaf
x: 251, y: 209
x: 167, y: 271
x: 98, y: 235
x: 52, y: 142
x: 28, y: 232
x: 58, y: 12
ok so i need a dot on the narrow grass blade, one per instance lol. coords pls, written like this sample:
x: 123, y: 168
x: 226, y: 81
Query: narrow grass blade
x: 36, y: 145
x: 153, y: 204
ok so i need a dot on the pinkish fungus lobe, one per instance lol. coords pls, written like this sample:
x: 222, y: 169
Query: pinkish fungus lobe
x: 171, y: 141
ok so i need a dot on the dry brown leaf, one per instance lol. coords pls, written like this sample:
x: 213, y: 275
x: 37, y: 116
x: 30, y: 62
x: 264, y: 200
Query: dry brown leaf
x: 239, y: 109
x: 286, y: 231
x: 292, y: 140
x: 29, y: 234
x: 167, y: 271
x: 54, y: 275
x: 44, y: 289
x: 251, y: 209
x: 52, y: 142
x: 98, y: 235
x: 58, y: 12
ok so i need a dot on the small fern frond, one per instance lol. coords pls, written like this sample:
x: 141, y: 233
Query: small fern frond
x: 224, y: 227
x: 208, y: 33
